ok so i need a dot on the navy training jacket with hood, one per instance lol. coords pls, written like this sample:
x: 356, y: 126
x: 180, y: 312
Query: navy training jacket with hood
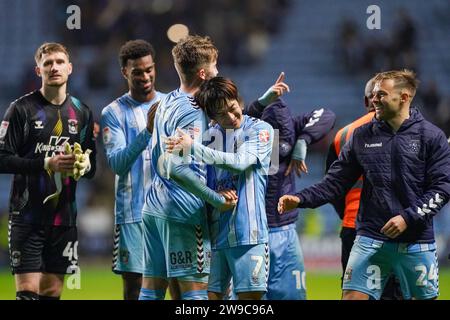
x: 405, y: 172
x: 311, y: 127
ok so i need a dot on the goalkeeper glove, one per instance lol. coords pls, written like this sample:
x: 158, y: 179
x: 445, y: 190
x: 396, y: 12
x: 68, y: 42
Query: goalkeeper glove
x: 82, y: 163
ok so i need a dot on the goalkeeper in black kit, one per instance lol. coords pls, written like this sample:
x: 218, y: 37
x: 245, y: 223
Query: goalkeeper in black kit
x: 47, y: 142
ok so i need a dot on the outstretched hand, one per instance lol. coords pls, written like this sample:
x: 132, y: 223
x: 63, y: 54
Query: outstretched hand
x: 287, y: 203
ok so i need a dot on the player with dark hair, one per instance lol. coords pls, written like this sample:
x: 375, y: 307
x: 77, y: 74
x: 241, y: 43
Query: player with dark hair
x: 36, y: 135
x: 405, y: 163
x: 127, y: 125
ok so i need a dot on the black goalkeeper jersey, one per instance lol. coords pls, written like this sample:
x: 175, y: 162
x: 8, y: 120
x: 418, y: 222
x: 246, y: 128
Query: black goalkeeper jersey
x: 31, y: 130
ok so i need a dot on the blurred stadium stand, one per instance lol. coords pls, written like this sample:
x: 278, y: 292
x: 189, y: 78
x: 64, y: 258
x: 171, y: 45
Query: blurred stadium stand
x: 323, y: 46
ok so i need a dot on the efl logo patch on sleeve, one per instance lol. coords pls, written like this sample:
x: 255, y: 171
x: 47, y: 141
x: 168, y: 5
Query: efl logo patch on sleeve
x: 106, y: 135
x: 194, y: 132
x: 264, y: 136
x: 3, y: 129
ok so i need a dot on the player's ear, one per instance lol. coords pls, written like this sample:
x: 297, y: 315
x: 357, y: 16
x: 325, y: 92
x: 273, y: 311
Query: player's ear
x: 366, y: 102
x: 70, y: 68
x: 38, y: 71
x: 202, y: 74
x: 404, y: 97
x: 124, y: 72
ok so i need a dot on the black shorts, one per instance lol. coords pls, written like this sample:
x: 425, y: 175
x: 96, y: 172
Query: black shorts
x: 348, y: 236
x: 36, y: 248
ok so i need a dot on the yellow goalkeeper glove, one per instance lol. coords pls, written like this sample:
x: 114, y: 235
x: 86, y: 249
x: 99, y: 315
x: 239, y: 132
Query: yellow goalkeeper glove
x: 82, y: 163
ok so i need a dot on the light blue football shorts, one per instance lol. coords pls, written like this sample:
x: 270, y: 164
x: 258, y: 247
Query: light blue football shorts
x: 287, y: 276
x: 128, y: 250
x: 372, y: 261
x: 248, y: 265
x: 176, y: 250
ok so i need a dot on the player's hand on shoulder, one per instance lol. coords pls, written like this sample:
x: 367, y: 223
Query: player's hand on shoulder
x: 288, y: 203
x: 181, y: 141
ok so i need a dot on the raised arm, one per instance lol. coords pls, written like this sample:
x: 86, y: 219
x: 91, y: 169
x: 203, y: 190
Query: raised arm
x: 257, y: 145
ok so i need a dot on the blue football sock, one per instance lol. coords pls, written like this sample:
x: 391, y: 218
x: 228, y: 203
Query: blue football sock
x: 148, y: 294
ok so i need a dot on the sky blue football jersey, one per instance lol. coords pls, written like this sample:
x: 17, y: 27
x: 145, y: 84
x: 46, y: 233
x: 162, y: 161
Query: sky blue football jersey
x: 178, y: 191
x: 240, y: 161
x: 126, y: 141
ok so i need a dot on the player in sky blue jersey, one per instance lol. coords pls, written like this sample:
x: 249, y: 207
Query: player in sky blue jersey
x: 176, y: 235
x: 239, y: 160
x: 126, y: 136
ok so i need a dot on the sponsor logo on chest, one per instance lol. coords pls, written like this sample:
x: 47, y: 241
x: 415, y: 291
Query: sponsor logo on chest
x: 373, y: 145
x: 55, y: 146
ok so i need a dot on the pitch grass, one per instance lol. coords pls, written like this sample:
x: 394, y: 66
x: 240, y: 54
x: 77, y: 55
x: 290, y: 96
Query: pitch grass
x: 99, y: 283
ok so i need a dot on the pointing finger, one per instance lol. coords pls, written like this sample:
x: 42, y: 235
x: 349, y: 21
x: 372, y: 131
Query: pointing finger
x: 280, y: 78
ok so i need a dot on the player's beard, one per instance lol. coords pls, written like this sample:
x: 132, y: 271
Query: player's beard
x: 380, y: 111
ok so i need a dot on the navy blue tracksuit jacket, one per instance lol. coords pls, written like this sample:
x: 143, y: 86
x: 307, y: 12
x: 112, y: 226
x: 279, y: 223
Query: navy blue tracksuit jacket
x: 311, y: 127
x: 405, y: 172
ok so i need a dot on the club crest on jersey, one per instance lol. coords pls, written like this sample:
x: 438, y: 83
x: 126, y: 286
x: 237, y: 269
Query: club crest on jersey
x: 414, y: 146
x: 264, y: 136
x: 73, y: 126
x: 38, y: 124
x: 3, y: 129
x: 106, y: 135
